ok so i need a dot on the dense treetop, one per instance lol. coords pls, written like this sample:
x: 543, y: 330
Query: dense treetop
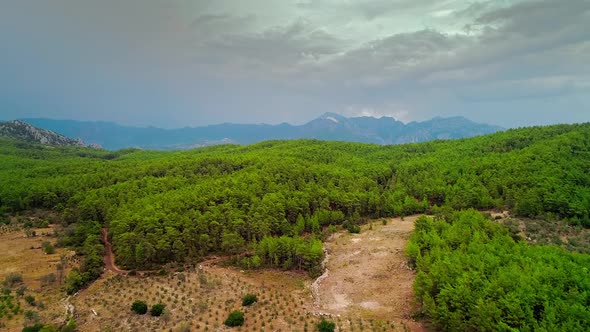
x: 473, y: 276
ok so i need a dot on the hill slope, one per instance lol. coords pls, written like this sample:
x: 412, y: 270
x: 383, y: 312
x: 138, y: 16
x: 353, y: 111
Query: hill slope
x: 290, y: 187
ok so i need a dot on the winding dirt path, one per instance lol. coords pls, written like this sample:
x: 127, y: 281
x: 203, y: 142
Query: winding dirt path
x: 109, y: 258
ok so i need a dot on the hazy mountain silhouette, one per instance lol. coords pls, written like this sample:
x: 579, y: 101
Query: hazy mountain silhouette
x: 329, y: 126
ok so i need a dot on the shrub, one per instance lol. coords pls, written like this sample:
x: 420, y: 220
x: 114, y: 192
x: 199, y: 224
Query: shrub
x: 325, y: 326
x: 249, y: 299
x: 48, y: 328
x: 352, y: 228
x: 48, y: 248
x: 4, y: 220
x: 70, y: 326
x: 21, y: 290
x: 139, y: 307
x: 12, y: 279
x: 32, y: 316
x: 235, y: 318
x: 41, y: 224
x: 157, y: 309
x: 33, y: 328
x: 30, y: 300
x: 74, y: 282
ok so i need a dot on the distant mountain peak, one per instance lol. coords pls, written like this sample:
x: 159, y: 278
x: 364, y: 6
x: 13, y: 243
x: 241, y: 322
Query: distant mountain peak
x: 20, y: 130
x: 334, y: 117
x: 451, y: 118
x: 331, y: 118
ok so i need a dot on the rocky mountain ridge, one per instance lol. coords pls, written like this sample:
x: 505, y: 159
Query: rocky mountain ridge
x: 23, y: 131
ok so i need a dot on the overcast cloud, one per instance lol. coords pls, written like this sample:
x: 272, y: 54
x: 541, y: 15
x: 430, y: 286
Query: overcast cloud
x: 182, y: 63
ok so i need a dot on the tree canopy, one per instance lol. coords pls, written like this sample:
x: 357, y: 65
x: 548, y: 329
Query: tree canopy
x: 473, y: 276
x: 165, y: 207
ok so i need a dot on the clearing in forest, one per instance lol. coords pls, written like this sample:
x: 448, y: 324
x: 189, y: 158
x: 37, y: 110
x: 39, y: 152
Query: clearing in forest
x: 367, y: 275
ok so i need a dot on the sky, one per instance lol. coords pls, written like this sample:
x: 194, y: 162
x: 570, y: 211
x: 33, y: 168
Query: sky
x: 180, y: 63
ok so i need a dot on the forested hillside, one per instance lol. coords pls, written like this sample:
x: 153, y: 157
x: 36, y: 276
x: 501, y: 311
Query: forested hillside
x: 473, y: 276
x: 172, y: 206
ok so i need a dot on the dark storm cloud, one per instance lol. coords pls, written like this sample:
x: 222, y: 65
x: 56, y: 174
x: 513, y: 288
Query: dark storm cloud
x: 277, y: 49
x: 184, y: 62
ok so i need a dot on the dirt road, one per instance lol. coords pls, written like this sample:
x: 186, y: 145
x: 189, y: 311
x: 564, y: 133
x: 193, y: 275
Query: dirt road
x: 109, y: 258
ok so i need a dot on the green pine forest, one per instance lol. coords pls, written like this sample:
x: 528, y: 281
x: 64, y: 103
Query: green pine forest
x: 271, y: 204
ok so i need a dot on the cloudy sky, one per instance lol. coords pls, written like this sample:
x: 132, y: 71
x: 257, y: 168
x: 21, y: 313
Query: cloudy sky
x: 183, y: 63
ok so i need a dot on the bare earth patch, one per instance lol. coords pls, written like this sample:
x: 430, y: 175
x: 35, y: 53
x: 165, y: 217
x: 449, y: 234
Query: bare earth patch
x: 368, y: 276
x: 23, y: 255
x: 367, y: 287
x: 200, y: 298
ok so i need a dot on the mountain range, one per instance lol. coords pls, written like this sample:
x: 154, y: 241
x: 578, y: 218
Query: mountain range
x: 329, y: 126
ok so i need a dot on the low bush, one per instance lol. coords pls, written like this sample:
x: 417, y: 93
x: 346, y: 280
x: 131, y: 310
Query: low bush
x: 326, y: 326
x: 33, y: 328
x: 13, y: 279
x: 48, y: 248
x: 139, y: 307
x: 157, y: 309
x: 30, y: 300
x: 249, y: 299
x: 49, y: 328
x: 70, y: 326
x: 235, y: 318
x: 355, y: 229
